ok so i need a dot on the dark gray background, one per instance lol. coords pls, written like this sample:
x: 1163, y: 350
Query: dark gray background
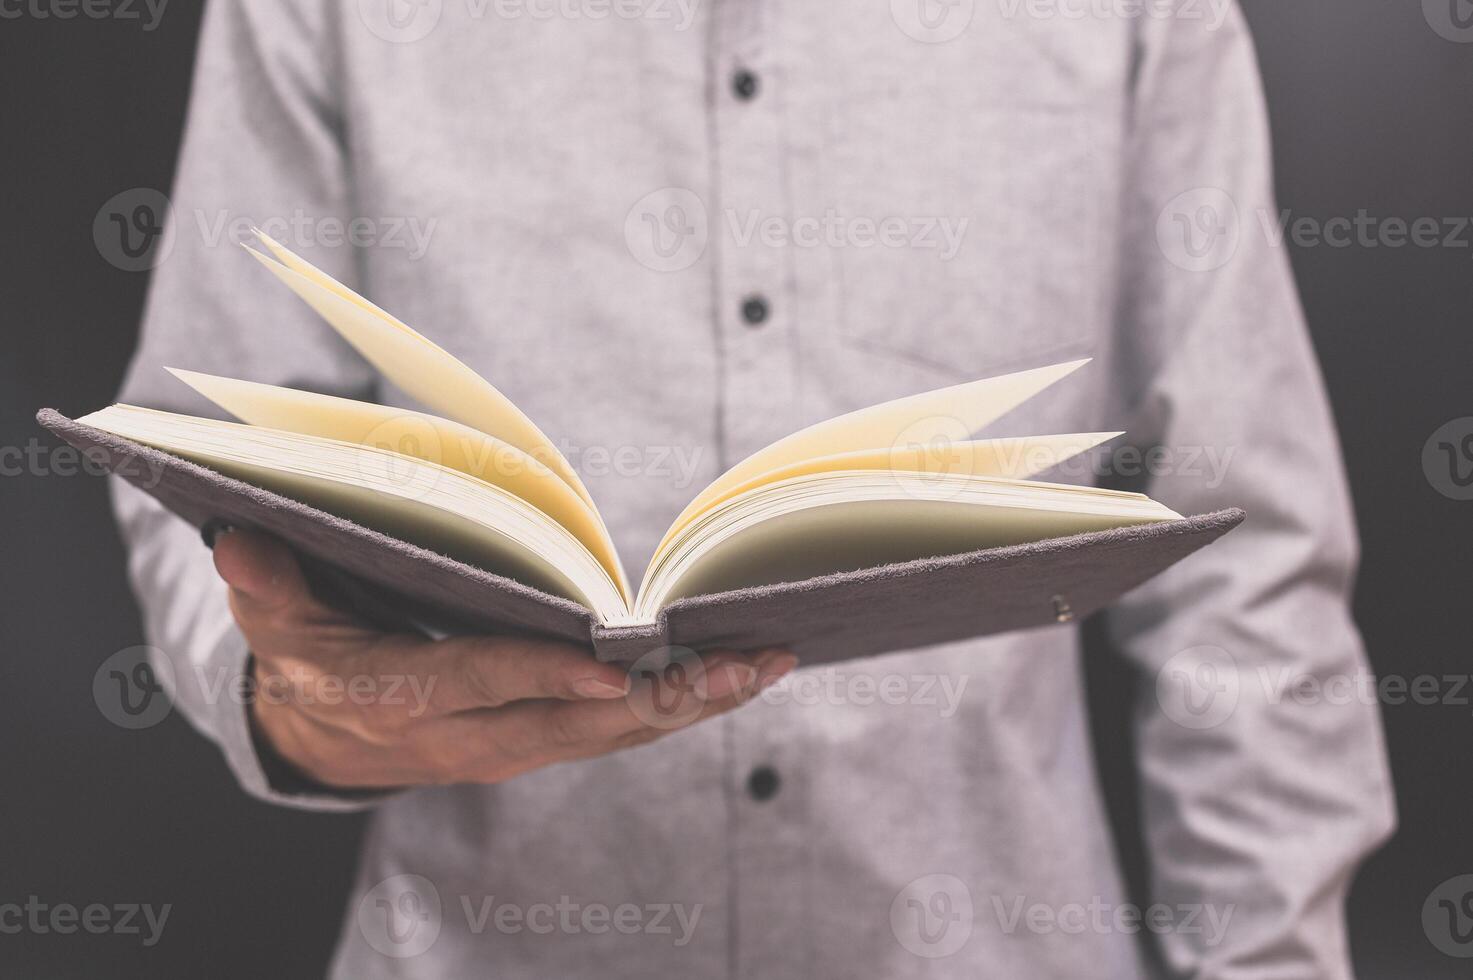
x: 1372, y: 109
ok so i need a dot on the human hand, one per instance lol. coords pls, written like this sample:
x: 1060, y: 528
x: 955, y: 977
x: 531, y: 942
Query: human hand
x: 484, y: 708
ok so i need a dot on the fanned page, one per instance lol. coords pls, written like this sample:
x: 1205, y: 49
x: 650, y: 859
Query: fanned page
x: 418, y: 501
x: 424, y: 437
x: 892, y: 482
x: 419, y: 367
x: 944, y: 417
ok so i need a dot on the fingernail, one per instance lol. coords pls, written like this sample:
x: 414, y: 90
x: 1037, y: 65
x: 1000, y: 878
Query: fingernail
x: 213, y: 528
x: 766, y: 657
x: 776, y: 670
x: 592, y: 687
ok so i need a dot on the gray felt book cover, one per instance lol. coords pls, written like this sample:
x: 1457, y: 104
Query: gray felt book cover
x: 831, y: 618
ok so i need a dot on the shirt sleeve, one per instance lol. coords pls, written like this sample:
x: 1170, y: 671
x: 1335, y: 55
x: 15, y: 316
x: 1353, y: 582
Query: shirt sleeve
x: 263, y: 146
x: 1262, y: 763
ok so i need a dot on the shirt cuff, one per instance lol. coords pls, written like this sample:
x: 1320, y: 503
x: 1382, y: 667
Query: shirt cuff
x: 259, y: 770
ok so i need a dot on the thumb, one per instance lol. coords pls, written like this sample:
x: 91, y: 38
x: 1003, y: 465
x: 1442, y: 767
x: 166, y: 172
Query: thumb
x: 263, y: 574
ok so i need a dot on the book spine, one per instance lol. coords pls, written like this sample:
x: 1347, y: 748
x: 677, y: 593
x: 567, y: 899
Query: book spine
x: 627, y: 644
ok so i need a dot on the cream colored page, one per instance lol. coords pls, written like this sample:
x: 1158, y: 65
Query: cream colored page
x: 1012, y: 458
x: 412, y: 520
x: 848, y: 536
x: 302, y: 267
x: 448, y: 444
x: 932, y: 418
x: 419, y: 367
x: 405, y: 517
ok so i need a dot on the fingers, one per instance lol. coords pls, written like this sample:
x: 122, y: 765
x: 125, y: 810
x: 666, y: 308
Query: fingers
x: 271, y: 599
x: 481, y: 672
x: 732, y: 680
x: 275, y: 608
x: 483, y: 708
x: 353, y: 744
x: 490, y: 746
x: 260, y: 570
x: 731, y: 674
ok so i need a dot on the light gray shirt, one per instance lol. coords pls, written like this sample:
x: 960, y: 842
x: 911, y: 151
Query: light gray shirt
x: 580, y: 200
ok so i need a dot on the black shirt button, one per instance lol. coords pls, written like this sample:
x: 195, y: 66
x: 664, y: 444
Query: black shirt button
x: 762, y: 784
x: 755, y: 310
x: 744, y: 84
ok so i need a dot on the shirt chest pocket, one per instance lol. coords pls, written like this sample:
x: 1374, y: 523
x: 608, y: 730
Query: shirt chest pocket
x: 999, y: 255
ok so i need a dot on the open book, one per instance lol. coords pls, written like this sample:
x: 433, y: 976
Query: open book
x: 479, y: 483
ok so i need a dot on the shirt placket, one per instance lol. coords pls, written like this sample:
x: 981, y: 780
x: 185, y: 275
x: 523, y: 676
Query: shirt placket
x: 750, y: 220
x: 755, y: 295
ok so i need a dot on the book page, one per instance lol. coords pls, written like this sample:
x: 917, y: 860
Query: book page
x: 421, y: 436
x: 1014, y: 458
x: 416, y: 501
x: 419, y: 367
x: 944, y: 417
x: 850, y: 519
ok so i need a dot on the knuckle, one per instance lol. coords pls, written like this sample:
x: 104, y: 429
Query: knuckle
x: 372, y: 726
x: 393, y: 724
x: 565, y: 729
x: 476, y: 680
x: 561, y: 687
x: 505, y: 754
x: 283, y: 616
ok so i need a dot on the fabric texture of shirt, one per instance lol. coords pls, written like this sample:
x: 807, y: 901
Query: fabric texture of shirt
x: 590, y: 204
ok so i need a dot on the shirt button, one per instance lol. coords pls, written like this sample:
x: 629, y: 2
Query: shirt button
x: 744, y: 84
x: 755, y: 310
x: 762, y: 784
